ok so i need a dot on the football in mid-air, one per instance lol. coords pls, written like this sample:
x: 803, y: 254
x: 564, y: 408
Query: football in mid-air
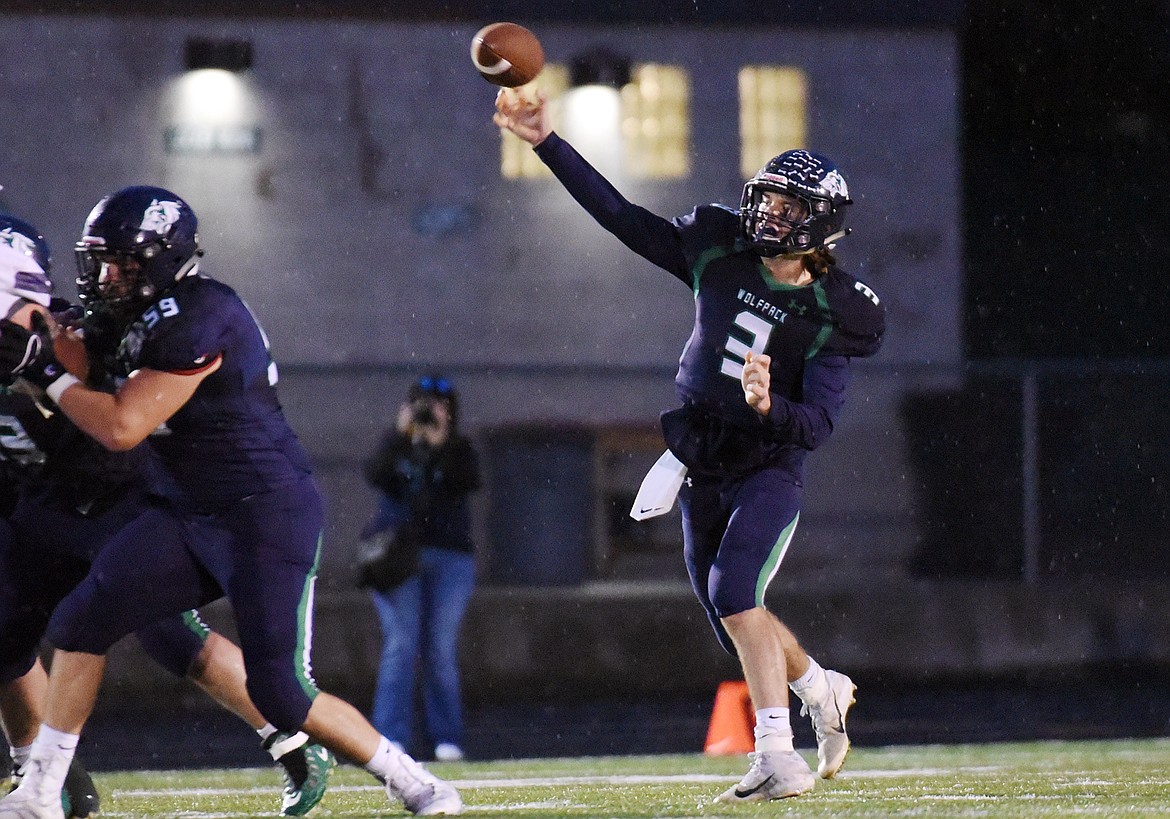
x: 506, y: 54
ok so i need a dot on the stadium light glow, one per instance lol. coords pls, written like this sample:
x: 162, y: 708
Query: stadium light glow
x: 212, y: 112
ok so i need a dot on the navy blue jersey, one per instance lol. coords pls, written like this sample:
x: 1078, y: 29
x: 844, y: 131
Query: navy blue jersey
x: 41, y: 450
x: 810, y: 331
x: 230, y: 440
x: 21, y: 458
x: 740, y: 308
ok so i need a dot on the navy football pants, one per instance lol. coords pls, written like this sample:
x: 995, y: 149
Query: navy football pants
x: 44, y: 554
x: 260, y: 552
x: 735, y: 533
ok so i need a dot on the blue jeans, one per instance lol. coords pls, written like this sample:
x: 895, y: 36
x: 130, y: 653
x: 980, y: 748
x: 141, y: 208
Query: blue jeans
x: 420, y: 621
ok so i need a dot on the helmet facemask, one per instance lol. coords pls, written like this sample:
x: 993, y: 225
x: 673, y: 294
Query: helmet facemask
x: 112, y: 279
x: 775, y: 222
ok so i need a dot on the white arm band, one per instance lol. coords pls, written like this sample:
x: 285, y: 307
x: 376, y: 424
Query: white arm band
x: 59, y: 386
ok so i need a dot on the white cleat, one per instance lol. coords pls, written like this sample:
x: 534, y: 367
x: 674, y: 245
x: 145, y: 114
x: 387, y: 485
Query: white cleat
x: 828, y: 721
x: 420, y: 791
x: 772, y: 775
x: 448, y: 752
x: 30, y: 802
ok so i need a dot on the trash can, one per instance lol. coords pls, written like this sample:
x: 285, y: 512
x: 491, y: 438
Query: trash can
x: 540, y: 509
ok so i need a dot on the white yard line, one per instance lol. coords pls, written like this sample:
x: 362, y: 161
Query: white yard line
x: 553, y: 781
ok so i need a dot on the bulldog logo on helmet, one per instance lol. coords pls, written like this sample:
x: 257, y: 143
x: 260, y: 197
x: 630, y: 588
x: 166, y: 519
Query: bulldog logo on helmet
x: 159, y: 216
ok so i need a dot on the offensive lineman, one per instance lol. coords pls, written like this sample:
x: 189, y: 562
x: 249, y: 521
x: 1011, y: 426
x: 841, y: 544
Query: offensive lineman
x: 762, y: 380
x: 247, y: 517
x: 70, y: 495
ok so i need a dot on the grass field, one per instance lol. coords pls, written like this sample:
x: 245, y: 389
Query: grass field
x: 1048, y: 779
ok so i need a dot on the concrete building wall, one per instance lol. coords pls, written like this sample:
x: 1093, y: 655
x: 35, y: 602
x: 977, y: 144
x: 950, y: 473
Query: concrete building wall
x: 373, y: 232
x: 375, y: 238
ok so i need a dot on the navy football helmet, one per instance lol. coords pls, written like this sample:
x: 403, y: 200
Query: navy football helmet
x: 817, y: 183
x: 150, y: 235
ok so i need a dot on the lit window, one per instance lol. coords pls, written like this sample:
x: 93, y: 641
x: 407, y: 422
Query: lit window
x: 651, y: 131
x: 656, y: 122
x: 773, y: 103
x: 517, y: 159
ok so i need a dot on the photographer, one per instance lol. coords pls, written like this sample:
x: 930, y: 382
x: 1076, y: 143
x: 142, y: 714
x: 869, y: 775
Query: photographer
x: 420, y: 565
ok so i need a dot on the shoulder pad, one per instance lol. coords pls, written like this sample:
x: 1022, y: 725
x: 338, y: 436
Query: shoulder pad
x: 858, y: 313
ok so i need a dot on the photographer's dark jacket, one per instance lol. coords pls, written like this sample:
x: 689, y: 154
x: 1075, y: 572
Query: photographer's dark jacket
x: 432, y: 487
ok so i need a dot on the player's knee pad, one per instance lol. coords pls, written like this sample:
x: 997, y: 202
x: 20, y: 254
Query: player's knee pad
x: 14, y: 664
x: 726, y: 600
x: 84, y: 621
x: 20, y: 634
x: 174, y: 643
x: 717, y: 624
x: 727, y: 603
x: 279, y: 695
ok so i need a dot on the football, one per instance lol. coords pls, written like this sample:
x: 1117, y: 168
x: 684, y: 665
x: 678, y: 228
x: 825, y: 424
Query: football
x: 506, y: 54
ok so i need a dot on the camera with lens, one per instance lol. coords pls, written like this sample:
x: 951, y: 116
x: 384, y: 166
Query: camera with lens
x: 422, y: 413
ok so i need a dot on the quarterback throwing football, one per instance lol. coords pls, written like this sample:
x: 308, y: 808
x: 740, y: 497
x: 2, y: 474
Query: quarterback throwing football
x: 762, y: 380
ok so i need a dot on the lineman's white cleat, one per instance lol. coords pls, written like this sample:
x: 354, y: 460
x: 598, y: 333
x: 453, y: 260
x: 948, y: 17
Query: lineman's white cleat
x: 772, y: 775
x: 421, y: 792
x: 31, y: 800
x: 828, y: 721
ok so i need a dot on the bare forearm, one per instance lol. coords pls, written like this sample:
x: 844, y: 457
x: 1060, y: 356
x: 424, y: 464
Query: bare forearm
x: 144, y: 402
x: 104, y: 418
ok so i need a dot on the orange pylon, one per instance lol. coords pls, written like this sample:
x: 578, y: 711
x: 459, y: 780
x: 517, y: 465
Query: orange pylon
x: 732, y: 721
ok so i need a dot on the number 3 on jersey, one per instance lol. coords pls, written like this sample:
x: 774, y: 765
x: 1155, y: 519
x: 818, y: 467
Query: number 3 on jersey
x: 758, y: 331
x: 273, y: 375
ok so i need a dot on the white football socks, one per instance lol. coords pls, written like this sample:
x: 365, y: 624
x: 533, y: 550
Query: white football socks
x: 813, y: 686
x: 384, y: 759
x: 52, y: 753
x: 773, y: 730
x: 19, y: 756
x: 268, y: 730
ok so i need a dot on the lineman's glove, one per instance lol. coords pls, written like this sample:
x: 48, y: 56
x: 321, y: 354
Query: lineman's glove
x: 29, y: 354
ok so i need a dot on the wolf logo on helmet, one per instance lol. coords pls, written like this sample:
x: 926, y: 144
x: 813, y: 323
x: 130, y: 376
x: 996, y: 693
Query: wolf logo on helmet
x: 834, y: 183
x: 24, y: 264
x: 26, y: 240
x: 19, y: 242
x: 817, y: 183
